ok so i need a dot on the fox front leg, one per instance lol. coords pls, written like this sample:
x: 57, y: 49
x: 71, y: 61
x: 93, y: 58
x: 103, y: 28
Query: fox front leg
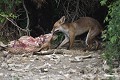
x: 71, y: 41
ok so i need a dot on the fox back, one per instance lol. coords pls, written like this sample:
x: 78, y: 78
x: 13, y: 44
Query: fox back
x: 84, y: 24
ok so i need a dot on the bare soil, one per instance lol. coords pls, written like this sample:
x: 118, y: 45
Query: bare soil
x: 74, y: 64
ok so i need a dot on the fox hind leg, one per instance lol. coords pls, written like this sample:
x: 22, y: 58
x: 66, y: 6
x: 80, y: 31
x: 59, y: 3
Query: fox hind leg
x: 91, y: 38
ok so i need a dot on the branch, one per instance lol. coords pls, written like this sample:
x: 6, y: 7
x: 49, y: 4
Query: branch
x: 13, y: 22
x: 28, y: 20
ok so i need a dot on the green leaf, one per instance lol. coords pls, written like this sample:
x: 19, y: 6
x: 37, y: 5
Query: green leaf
x: 113, y: 39
x: 106, y: 19
x: 103, y: 2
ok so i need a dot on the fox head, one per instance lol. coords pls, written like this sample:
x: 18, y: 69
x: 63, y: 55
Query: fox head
x: 58, y: 25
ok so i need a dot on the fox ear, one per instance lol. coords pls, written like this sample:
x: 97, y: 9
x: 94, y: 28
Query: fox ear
x: 62, y: 20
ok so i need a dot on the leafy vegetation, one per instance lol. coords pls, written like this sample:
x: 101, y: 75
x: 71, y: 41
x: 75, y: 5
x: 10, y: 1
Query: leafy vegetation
x: 7, y: 9
x: 8, y: 13
x: 112, y: 34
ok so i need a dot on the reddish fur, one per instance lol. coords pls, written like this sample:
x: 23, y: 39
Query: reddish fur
x: 78, y: 27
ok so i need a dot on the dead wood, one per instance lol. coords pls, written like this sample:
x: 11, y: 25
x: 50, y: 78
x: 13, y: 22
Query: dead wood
x: 48, y: 52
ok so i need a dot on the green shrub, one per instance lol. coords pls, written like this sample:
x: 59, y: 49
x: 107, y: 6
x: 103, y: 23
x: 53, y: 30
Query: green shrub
x: 7, y: 9
x: 112, y: 34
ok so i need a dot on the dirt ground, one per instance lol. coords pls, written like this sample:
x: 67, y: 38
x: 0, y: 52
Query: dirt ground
x: 73, y: 64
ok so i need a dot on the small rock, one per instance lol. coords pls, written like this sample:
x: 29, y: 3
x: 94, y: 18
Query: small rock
x: 82, y: 71
x: 9, y: 61
x: 5, y: 53
x: 27, y: 67
x: 46, y: 57
x: 10, y: 69
x: 1, y: 74
x: 77, y: 59
x: 2, y: 44
x: 71, y: 71
x: 32, y: 60
x: 54, y: 56
x: 11, y: 65
x: 37, y: 58
x: 4, y: 65
x: 66, y: 66
x: 118, y: 70
x: 106, y: 68
x: 67, y: 75
x: 44, y: 70
x: 96, y: 70
x: 61, y: 72
x: 13, y: 74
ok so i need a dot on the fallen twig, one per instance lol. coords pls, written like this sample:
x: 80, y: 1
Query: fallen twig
x: 80, y: 58
x: 48, y: 52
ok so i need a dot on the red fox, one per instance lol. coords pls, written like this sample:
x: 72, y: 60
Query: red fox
x: 78, y: 27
